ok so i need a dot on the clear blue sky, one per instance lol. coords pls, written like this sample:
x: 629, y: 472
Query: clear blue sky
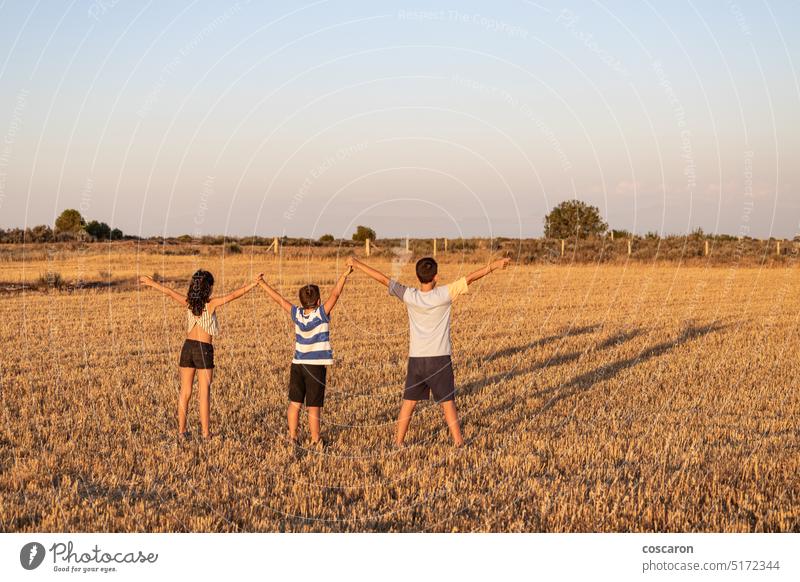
x: 437, y: 118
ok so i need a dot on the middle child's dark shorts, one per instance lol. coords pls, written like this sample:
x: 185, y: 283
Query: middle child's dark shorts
x: 307, y: 384
x: 196, y: 354
x: 431, y: 375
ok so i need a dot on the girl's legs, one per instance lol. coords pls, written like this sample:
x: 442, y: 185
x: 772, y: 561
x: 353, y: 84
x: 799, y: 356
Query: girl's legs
x: 293, y: 416
x: 204, y: 377
x: 313, y: 422
x: 187, y: 379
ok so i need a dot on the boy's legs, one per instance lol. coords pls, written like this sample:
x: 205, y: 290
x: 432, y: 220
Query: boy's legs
x: 451, y: 418
x: 404, y: 419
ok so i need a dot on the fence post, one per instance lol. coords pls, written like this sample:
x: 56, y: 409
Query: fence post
x: 612, y: 235
x: 366, y: 246
x: 562, y: 247
x: 445, y: 245
x: 706, y: 249
x: 434, y: 248
x: 275, y: 246
x: 629, y: 247
x: 778, y: 247
x: 406, y: 244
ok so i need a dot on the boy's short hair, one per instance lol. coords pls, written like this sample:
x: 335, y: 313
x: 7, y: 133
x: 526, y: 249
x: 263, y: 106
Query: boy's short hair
x: 426, y: 269
x: 309, y: 296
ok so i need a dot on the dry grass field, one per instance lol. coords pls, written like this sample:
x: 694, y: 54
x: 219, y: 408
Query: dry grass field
x: 593, y: 398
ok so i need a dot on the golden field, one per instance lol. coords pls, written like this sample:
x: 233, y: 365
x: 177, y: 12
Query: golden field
x: 593, y: 398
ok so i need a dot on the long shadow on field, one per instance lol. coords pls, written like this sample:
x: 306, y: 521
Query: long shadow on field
x: 584, y: 382
x: 514, y: 350
x: 556, y: 360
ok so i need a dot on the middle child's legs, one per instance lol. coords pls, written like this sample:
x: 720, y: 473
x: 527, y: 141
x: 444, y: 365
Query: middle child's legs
x: 293, y: 417
x: 314, y: 413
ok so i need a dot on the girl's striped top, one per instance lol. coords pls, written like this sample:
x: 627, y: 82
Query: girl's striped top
x: 207, y: 321
x: 311, y: 337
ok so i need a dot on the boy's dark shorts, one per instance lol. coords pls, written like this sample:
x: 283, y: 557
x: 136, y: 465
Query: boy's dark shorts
x: 307, y: 384
x: 196, y: 354
x: 430, y: 375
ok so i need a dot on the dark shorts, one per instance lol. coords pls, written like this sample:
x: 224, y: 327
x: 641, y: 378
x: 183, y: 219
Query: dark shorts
x: 197, y: 354
x: 307, y: 384
x: 430, y: 375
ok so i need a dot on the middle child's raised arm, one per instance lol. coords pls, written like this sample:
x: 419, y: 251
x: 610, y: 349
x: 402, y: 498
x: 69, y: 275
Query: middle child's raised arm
x: 277, y: 297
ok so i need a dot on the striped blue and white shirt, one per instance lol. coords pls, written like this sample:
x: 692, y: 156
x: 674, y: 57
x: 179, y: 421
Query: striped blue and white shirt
x: 312, y: 343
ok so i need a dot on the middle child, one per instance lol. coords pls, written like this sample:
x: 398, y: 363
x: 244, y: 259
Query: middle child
x: 312, y: 354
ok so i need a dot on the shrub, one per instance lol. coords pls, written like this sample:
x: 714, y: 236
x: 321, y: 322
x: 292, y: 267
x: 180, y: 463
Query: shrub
x: 50, y: 280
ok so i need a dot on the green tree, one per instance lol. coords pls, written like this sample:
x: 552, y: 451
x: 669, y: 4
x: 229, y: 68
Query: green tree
x: 326, y: 238
x: 573, y: 218
x: 363, y: 233
x: 70, y: 221
x: 99, y: 230
x: 116, y: 234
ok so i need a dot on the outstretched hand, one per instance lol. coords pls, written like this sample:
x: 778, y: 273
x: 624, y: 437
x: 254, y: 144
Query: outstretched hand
x: 501, y: 263
x: 259, y: 278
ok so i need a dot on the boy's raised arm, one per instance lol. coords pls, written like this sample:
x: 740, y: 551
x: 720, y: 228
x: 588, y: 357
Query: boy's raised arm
x: 337, y: 290
x: 493, y: 266
x: 377, y: 275
x: 277, y: 297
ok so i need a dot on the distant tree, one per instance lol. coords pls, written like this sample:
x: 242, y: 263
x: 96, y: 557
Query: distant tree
x: 363, y: 233
x: 697, y: 233
x: 652, y: 235
x: 621, y: 233
x: 39, y: 234
x: 117, y: 234
x: 13, y: 235
x: 573, y: 218
x: 326, y: 238
x: 99, y: 230
x: 70, y: 221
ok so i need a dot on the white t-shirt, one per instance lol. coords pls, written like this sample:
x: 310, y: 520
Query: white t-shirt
x: 429, y: 316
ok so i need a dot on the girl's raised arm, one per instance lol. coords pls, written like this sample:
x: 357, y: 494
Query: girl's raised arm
x: 217, y: 301
x: 149, y: 282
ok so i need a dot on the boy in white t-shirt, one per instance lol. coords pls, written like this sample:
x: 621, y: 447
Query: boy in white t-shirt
x: 430, y: 367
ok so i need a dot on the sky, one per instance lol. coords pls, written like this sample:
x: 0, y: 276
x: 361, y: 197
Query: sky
x: 415, y: 118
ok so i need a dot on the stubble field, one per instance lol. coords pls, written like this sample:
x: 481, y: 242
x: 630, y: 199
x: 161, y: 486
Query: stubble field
x: 593, y: 398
